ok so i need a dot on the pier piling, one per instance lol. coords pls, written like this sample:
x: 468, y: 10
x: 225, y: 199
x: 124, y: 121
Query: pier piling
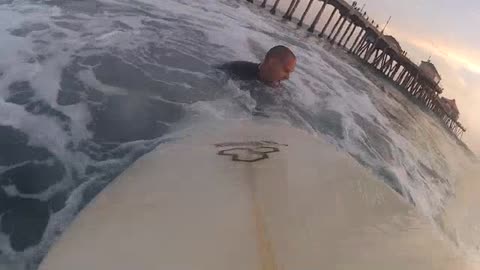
x: 377, y: 50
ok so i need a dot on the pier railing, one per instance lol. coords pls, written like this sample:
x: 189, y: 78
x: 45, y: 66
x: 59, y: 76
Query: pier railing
x: 354, y: 31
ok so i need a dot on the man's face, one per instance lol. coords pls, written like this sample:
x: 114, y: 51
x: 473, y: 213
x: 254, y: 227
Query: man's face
x: 280, y: 69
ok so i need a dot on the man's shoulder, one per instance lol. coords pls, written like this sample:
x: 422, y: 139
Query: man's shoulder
x: 240, y: 64
x: 243, y: 70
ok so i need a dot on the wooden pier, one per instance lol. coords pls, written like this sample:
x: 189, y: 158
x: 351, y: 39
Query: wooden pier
x: 376, y: 49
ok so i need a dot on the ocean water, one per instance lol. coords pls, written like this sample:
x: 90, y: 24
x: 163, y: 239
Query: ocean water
x: 87, y: 87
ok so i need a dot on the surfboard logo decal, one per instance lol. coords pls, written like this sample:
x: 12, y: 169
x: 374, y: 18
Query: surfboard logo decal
x: 251, y: 151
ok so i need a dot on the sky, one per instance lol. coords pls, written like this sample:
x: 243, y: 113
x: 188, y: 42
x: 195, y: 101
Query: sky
x: 448, y: 32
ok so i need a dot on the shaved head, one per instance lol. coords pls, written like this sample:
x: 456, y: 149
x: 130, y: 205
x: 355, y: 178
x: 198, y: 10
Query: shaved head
x: 280, y: 52
x: 279, y: 62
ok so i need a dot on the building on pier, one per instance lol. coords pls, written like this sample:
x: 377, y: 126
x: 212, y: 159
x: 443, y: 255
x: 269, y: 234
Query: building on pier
x: 393, y: 43
x: 353, y: 30
x: 450, y: 107
x: 430, y: 71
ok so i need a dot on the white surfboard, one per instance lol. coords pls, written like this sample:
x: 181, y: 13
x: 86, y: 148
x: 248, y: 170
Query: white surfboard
x: 249, y: 195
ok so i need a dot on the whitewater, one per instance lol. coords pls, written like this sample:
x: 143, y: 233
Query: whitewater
x: 87, y: 87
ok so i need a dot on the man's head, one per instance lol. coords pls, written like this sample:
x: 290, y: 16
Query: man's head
x: 279, y: 62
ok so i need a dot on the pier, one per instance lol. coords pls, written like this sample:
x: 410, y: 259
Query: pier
x: 354, y: 31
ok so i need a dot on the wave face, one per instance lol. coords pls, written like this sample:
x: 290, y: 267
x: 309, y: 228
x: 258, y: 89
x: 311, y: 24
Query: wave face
x: 87, y: 87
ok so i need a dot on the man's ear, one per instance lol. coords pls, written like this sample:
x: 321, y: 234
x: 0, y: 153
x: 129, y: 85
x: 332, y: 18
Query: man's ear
x: 267, y: 61
x: 264, y: 62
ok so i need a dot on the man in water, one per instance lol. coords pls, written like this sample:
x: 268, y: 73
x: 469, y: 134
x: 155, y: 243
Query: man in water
x: 278, y: 64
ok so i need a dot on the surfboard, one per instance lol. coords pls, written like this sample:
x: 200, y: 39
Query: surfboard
x: 257, y: 195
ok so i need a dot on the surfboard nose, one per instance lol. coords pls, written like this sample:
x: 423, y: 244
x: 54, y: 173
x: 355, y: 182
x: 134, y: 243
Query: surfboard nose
x: 250, y: 195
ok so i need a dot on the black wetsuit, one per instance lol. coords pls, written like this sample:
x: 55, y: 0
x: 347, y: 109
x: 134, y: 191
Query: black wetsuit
x: 242, y: 70
x: 248, y: 73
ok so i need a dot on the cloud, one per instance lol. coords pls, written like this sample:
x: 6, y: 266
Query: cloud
x: 456, y: 57
x: 460, y: 68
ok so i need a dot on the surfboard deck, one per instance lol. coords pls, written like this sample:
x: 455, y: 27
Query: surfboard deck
x: 249, y: 195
